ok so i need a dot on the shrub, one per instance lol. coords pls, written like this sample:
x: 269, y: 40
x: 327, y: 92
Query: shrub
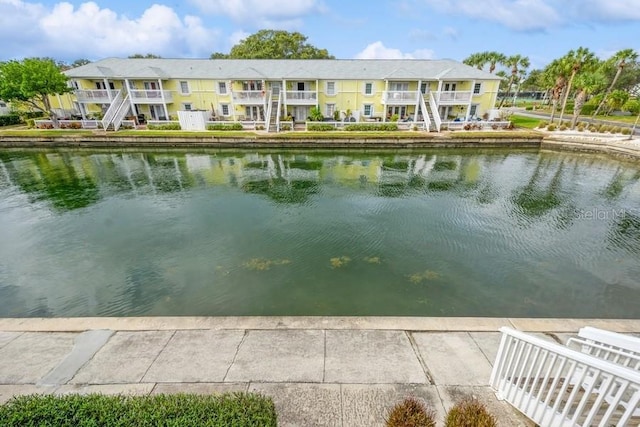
x: 225, y: 126
x: 580, y: 128
x: 543, y: 124
x: 259, y: 127
x: 551, y: 127
x: 164, y: 126
x: 372, y: 127
x: 320, y: 127
x: 10, y: 119
x: 563, y: 127
x: 603, y: 128
x: 588, y: 109
x: 469, y: 413
x: 626, y: 131
x: 31, y: 123
x: 410, y: 413
x: 593, y: 128
x: 528, y: 107
x: 315, y: 114
x: 632, y: 106
x: 285, y: 127
x: 616, y: 129
x: 238, y: 409
x: 394, y: 118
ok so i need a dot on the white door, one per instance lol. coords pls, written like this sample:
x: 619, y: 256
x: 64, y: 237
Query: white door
x: 275, y: 87
x: 157, y: 112
x: 300, y: 113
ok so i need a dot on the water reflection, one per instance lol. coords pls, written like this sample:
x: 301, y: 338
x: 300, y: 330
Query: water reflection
x: 386, y: 233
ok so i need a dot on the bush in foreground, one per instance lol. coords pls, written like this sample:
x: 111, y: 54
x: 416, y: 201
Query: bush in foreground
x: 410, y: 413
x: 164, y: 126
x: 185, y: 410
x: 225, y: 126
x: 469, y: 413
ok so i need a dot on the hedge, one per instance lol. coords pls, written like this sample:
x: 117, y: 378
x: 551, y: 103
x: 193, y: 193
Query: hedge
x: 185, y: 410
x: 320, y: 127
x: 225, y: 126
x: 372, y: 127
x: 10, y: 119
x: 164, y: 126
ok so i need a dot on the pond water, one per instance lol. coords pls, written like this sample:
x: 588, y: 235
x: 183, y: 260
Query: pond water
x: 418, y: 233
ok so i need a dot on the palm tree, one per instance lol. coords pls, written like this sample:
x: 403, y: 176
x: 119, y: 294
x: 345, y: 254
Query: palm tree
x: 516, y: 62
x: 475, y: 60
x: 578, y: 58
x: 585, y: 84
x: 555, y: 77
x: 621, y: 58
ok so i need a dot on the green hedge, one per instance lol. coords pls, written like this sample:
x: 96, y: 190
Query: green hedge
x: 184, y: 410
x: 225, y: 126
x: 320, y: 127
x: 372, y: 127
x: 10, y: 119
x: 165, y: 126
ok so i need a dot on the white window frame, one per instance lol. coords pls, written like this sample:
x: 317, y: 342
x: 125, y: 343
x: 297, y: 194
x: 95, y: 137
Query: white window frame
x: 187, y: 106
x: 426, y: 86
x: 364, y: 88
x: 364, y: 110
x: 473, y: 110
x: 222, y: 88
x: 329, y: 109
x: 331, y: 92
x: 182, y: 84
x: 132, y: 85
x: 223, y: 107
x: 479, y: 91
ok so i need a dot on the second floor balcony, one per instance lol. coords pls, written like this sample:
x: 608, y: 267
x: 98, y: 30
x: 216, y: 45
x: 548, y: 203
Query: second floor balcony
x: 150, y: 96
x: 95, y: 96
x: 301, y: 97
x: 400, y: 97
x: 453, y: 97
x: 249, y: 97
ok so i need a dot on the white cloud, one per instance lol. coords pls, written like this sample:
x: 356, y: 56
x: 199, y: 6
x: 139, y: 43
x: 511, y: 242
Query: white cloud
x: 450, y: 32
x: 237, y: 36
x: 608, y: 10
x: 274, y: 12
x: 377, y: 50
x: 524, y: 15
x: 89, y: 31
x: 417, y: 35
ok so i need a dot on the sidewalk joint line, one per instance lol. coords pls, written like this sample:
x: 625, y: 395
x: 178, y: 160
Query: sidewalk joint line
x: 324, y: 357
x: 341, y: 406
x: 480, y: 348
x: 157, y: 355
x: 13, y: 339
x: 416, y: 352
x: 235, y: 356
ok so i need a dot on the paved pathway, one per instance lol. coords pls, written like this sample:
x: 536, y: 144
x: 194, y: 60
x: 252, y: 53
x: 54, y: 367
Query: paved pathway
x: 319, y: 371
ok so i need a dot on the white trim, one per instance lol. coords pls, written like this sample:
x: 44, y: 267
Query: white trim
x: 189, y: 104
x: 480, y: 89
x: 364, y: 88
x: 186, y: 82
x: 364, y: 110
x: 222, y: 84
x: 222, y: 107
x: 326, y: 90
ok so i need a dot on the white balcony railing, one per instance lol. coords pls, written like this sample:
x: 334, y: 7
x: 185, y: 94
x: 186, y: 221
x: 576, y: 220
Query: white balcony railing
x: 307, y: 97
x: 454, y: 97
x: 150, y: 96
x: 249, y: 97
x: 95, y: 96
x: 400, y: 97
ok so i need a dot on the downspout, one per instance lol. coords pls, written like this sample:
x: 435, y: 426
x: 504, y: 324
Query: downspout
x: 164, y: 102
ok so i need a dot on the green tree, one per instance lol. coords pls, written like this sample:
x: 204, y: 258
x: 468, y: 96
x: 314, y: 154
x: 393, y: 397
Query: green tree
x: 617, y: 99
x: 475, y: 60
x: 555, y: 77
x: 621, y: 58
x: 585, y: 84
x: 32, y: 81
x: 274, y: 44
x: 578, y: 59
x: 480, y: 59
x: 141, y: 56
x: 516, y: 63
x: 80, y: 62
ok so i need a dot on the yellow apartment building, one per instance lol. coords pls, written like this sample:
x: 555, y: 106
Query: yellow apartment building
x: 270, y: 91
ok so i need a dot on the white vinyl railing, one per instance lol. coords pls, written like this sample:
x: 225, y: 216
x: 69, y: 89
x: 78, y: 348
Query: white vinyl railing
x: 401, y: 96
x: 556, y: 386
x: 251, y: 96
x: 151, y: 95
x: 112, y: 110
x: 449, y: 97
x: 434, y: 111
x: 121, y: 113
x: 95, y: 95
x: 307, y: 96
x: 425, y: 112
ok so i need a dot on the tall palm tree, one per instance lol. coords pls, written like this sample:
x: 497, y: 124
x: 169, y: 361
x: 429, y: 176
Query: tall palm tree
x: 578, y: 58
x: 475, y: 60
x: 555, y: 76
x: 621, y: 58
x: 515, y: 62
x: 494, y: 58
x: 585, y: 84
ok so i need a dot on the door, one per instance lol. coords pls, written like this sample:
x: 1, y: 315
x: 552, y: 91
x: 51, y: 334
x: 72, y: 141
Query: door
x: 300, y: 113
x: 275, y: 87
x: 449, y: 87
x: 157, y: 112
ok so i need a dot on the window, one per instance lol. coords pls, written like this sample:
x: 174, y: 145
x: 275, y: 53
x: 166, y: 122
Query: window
x: 101, y: 85
x: 187, y: 106
x: 399, y: 86
x: 330, y: 108
x: 449, y: 87
x: 252, y: 85
x: 132, y: 84
x: 368, y: 88
x: 473, y: 110
x: 73, y: 84
x: 424, y: 88
x: 476, y: 88
x: 184, y: 87
x: 331, y: 88
x: 222, y: 88
x: 225, y: 109
x: 368, y: 110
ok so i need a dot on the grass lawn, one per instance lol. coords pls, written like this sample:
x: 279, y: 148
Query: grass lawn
x: 45, y: 132
x: 525, y: 122
x: 184, y: 410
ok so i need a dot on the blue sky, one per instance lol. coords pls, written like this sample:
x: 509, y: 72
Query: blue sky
x: 540, y: 29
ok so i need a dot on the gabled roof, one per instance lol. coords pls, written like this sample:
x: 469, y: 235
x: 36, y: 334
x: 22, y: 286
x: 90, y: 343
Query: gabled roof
x: 303, y: 69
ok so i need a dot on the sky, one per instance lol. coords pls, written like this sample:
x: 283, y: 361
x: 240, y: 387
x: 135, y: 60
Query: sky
x: 423, y: 29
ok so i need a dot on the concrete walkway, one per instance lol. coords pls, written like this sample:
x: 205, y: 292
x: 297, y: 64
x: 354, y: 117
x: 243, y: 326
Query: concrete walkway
x: 319, y: 371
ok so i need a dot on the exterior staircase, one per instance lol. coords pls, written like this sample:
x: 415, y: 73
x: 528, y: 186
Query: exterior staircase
x: 116, y: 112
x: 273, y: 117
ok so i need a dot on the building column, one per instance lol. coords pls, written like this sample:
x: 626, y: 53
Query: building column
x: 164, y: 102
x: 419, y: 91
x: 384, y: 100
x: 473, y: 84
x: 284, y: 96
x: 131, y: 103
x: 108, y: 89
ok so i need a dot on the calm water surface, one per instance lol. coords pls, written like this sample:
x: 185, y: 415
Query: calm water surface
x: 420, y: 233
